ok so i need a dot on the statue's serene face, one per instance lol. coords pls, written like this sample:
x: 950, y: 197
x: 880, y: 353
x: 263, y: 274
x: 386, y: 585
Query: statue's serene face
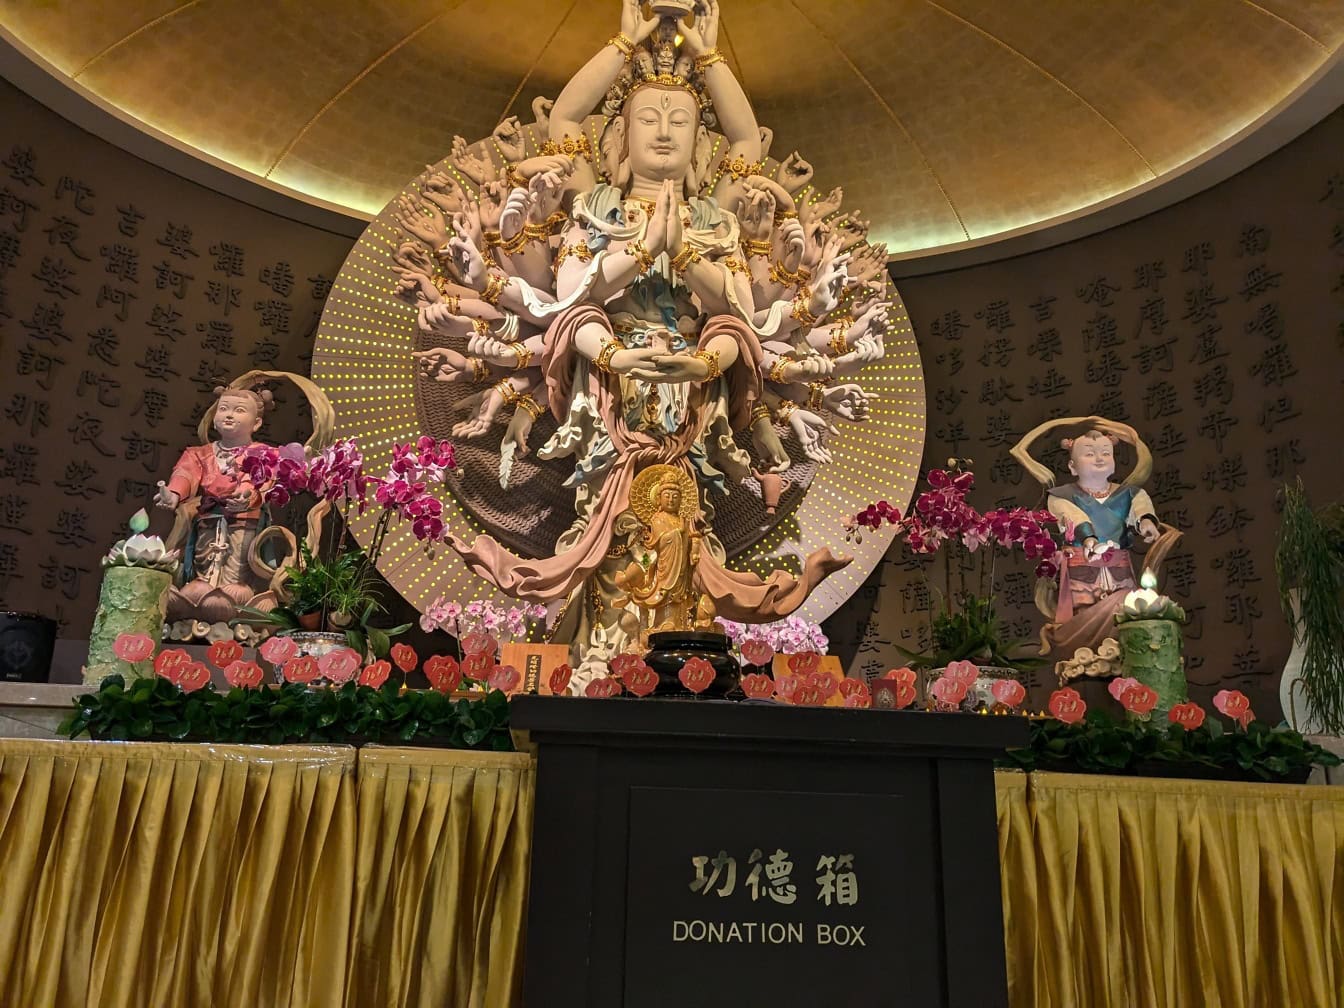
x: 237, y: 418
x: 1092, y: 458
x: 660, y: 131
x: 669, y: 499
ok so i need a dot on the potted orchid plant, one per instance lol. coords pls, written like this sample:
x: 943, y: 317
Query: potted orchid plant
x: 964, y: 621
x: 341, y: 589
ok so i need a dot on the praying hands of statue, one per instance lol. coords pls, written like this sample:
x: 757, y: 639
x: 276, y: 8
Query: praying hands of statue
x: 664, y: 231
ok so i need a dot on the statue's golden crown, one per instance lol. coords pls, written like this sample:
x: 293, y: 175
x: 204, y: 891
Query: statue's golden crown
x: 657, y: 62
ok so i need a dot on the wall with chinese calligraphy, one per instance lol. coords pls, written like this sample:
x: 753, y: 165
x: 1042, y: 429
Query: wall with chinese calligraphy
x: 126, y: 295
x: 1216, y: 329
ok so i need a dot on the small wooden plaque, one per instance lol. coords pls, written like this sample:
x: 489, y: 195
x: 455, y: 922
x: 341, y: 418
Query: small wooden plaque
x: 535, y: 662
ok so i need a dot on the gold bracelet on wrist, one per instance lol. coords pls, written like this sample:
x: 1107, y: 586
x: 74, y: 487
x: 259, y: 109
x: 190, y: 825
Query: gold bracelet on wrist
x: 740, y: 168
x: 839, y: 343
x: 786, y: 410
x: 569, y: 147
x: 711, y: 358
x: 526, y: 402
x: 762, y: 248
x: 505, y: 388
x: 777, y: 371
x: 609, y: 350
x: 782, y: 215
x: 816, y: 396
x: 580, y: 252
x: 624, y: 43
x: 511, y: 176
x: 481, y: 326
x: 479, y: 369
x: 491, y: 238
x: 800, y: 313
x: 761, y: 412
x: 684, y: 259
x: 494, y: 288
x: 707, y: 59
x: 780, y: 275
x: 524, y: 356
x: 735, y: 265
x: 641, y: 256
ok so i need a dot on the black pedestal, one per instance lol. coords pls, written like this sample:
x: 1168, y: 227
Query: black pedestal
x: 705, y: 853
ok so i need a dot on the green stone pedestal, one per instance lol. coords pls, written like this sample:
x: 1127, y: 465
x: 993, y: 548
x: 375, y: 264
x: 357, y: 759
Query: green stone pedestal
x: 1150, y: 651
x: 132, y: 601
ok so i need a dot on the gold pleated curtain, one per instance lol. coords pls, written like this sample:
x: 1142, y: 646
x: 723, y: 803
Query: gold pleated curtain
x: 139, y: 875
x: 146, y: 875
x: 441, y: 878
x: 1138, y: 893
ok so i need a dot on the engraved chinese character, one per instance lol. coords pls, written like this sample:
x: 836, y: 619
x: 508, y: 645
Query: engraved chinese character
x: 1254, y: 241
x: 1051, y: 385
x: 948, y: 327
x: 39, y: 363
x: 1149, y: 275
x: 169, y: 277
x: 123, y: 262
x: 996, y: 316
x: 22, y: 165
x: 228, y: 259
x: 18, y: 465
x: 1201, y: 304
x: 128, y: 222
x: 1097, y: 291
x: 35, y: 413
x: 837, y: 880
x: 157, y: 363
x: 279, y: 278
x: 177, y: 240
x: 72, y: 528
x: 87, y: 429
x: 54, y: 276
x: 164, y: 319
x: 13, y: 512
x: 1259, y: 281
x: 104, y: 344
x: 107, y: 294
x: 78, y: 480
x: 703, y: 883
x: 81, y: 194
x: 66, y: 577
x: 65, y: 232
x: 1046, y: 346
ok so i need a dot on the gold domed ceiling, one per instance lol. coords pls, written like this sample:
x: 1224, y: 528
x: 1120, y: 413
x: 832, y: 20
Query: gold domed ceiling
x: 945, y: 121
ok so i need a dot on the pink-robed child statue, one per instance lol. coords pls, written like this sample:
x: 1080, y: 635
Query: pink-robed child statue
x: 218, y: 576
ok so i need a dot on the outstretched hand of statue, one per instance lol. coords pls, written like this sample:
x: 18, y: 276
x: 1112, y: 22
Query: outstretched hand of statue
x: 830, y: 278
x: 770, y: 448
x: 548, y: 189
x: 703, y: 35
x: 166, y: 498
x: 412, y: 257
x: 824, y: 207
x: 444, y: 191
x: 794, y: 173
x: 472, y: 165
x: 516, y: 210
x: 634, y: 25
x: 417, y: 289
x: 852, y: 230
x: 756, y: 213
x: 509, y: 136
x: 520, y: 426
x: 441, y: 364
x: 813, y: 367
x: 468, y: 260
x: 868, y: 262
x: 848, y: 401
x: 491, y: 200
x: 421, y: 220
x: 811, y: 430
x: 485, y: 415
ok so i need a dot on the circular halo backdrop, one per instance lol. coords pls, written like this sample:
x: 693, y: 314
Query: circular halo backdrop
x: 362, y: 359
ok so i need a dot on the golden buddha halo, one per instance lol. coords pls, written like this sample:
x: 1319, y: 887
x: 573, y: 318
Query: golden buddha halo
x: 646, y: 488
x: 362, y: 358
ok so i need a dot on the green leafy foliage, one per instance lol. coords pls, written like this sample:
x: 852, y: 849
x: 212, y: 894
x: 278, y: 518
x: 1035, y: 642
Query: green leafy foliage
x: 971, y: 633
x: 154, y: 709
x: 1101, y: 744
x: 1309, y: 560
